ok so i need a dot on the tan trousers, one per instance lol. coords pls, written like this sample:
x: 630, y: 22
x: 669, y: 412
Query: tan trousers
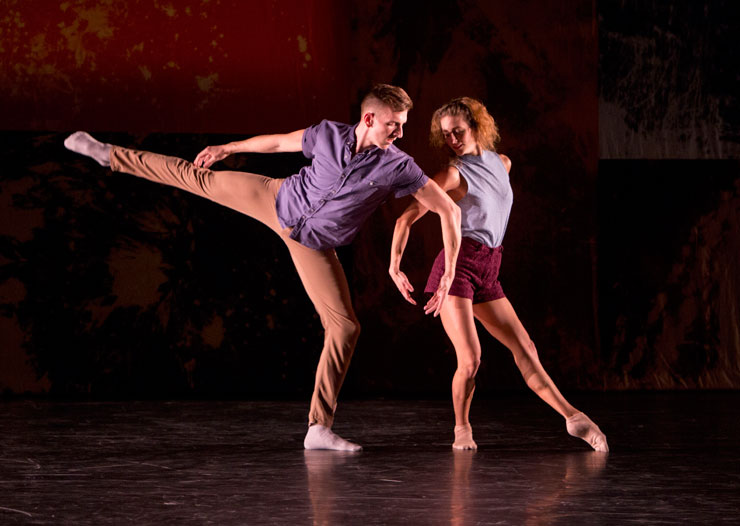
x: 320, y: 271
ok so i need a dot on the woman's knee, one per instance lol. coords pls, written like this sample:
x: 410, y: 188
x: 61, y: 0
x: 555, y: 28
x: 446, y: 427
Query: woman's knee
x: 529, y: 347
x: 468, y: 368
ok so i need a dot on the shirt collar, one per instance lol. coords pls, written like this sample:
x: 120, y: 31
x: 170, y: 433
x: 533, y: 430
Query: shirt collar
x: 351, y: 142
x: 351, y: 139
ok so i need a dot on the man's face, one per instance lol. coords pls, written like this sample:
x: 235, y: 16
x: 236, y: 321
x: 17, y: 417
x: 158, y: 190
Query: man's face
x: 385, y: 125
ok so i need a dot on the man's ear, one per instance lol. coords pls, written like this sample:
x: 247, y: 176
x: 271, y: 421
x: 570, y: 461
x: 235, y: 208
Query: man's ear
x: 368, y: 119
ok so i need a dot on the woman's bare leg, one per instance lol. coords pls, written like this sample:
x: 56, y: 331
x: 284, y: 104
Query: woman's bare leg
x: 501, y: 321
x: 459, y: 324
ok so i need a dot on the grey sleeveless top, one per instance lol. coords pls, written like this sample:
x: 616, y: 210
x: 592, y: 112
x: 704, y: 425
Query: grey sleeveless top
x: 486, y: 206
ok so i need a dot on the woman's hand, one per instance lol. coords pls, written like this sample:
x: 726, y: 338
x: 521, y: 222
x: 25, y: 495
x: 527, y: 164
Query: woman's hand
x: 434, y: 305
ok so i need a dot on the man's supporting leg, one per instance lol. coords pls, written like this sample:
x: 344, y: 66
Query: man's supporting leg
x: 323, y: 277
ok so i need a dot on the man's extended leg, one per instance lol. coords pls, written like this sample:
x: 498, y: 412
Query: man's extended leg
x: 251, y: 194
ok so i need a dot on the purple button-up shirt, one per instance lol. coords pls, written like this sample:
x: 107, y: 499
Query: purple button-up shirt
x: 326, y: 202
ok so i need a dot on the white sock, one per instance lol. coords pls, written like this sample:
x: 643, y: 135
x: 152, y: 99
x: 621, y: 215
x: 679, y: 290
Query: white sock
x: 85, y: 144
x: 464, y: 438
x: 321, y: 437
x: 581, y: 426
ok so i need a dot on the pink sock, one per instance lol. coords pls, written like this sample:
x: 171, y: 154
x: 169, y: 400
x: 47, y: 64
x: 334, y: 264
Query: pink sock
x: 464, y: 438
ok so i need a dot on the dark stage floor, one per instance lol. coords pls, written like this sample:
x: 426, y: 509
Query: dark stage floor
x: 675, y: 459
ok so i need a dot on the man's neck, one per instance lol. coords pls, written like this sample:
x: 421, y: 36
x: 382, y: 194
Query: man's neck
x: 361, y: 139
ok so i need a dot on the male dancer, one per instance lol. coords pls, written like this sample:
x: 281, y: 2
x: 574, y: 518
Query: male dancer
x: 353, y: 170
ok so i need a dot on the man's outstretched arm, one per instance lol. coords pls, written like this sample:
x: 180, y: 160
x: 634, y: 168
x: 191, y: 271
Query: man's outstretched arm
x: 434, y: 198
x: 447, y: 180
x: 277, y: 143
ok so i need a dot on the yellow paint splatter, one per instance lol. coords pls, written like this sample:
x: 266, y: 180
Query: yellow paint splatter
x: 145, y: 72
x: 169, y: 10
x: 302, y: 44
x: 49, y: 70
x: 97, y: 22
x: 15, y: 18
x: 39, y: 50
x: 89, y: 21
x: 206, y: 84
x: 138, y: 48
x: 303, y: 48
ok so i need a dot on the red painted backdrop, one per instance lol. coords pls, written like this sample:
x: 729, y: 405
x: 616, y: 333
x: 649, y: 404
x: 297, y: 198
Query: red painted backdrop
x: 196, y: 66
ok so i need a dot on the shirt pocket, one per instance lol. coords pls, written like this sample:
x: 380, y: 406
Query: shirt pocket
x: 377, y: 190
x: 375, y: 184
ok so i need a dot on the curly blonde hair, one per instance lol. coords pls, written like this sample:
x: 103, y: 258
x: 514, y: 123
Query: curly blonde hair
x: 475, y: 114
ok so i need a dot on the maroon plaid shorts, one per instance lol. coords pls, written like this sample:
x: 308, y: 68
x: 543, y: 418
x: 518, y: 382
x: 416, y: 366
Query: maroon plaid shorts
x: 476, y: 272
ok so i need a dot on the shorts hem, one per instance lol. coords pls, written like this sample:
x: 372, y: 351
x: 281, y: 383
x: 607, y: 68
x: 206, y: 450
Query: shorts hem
x: 486, y: 299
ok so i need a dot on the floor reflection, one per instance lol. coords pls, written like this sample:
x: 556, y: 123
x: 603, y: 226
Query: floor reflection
x: 324, y: 484
x: 531, y: 490
x: 459, y: 487
x: 560, y: 482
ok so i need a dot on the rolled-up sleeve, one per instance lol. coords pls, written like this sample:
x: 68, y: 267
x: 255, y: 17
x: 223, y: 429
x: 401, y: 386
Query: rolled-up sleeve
x: 309, y: 139
x: 410, y: 179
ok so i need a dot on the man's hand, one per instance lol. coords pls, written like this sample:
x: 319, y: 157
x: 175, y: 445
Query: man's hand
x: 434, y: 305
x: 403, y: 284
x: 210, y: 155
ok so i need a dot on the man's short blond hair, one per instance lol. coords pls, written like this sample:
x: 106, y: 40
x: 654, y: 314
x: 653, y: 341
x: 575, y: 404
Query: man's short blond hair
x: 386, y: 95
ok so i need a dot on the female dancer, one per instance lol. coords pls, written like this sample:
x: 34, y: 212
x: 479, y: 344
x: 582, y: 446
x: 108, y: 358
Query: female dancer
x: 477, y: 178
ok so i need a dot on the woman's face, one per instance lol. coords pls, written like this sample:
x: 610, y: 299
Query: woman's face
x: 458, y: 135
